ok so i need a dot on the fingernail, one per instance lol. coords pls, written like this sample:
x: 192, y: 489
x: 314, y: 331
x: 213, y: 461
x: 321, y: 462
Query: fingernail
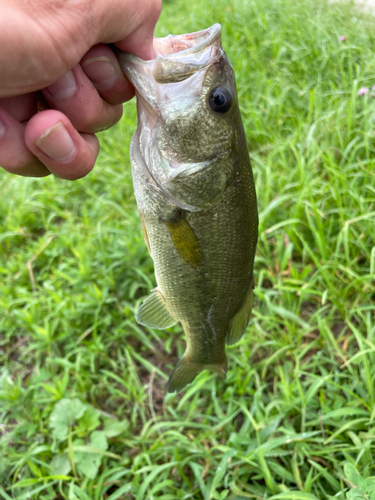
x: 64, y: 87
x: 2, y: 127
x: 101, y: 72
x: 56, y: 143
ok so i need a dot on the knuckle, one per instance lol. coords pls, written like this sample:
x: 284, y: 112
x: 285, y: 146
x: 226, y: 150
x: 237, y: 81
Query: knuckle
x: 117, y: 114
x: 19, y: 165
x: 16, y: 160
x: 99, y: 119
x: 87, y: 120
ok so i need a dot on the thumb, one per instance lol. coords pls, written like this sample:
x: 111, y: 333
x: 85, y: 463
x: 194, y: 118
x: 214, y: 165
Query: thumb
x: 135, y: 33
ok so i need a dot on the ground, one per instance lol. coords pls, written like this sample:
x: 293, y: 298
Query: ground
x: 83, y: 409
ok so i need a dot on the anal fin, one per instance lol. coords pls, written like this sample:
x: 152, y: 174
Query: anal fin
x: 240, y: 321
x: 153, y: 312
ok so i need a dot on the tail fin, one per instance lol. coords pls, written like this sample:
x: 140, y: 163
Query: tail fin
x: 186, y: 371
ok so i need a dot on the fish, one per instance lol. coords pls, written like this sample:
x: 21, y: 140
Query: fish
x: 195, y: 192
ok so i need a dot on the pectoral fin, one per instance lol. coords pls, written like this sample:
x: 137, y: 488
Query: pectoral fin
x: 153, y: 312
x: 241, y: 319
x: 185, y: 241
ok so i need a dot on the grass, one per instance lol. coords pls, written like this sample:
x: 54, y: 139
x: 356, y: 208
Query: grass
x: 83, y: 410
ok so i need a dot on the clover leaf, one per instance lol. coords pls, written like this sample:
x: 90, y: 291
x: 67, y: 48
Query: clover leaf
x: 64, y: 414
x: 88, y: 457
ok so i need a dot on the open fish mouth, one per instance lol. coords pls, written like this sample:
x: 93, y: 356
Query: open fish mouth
x: 179, y: 56
x: 189, y: 43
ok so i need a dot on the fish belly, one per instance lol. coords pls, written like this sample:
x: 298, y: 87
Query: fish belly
x: 204, y: 298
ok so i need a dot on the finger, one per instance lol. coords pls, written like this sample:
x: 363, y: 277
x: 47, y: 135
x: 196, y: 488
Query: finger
x: 130, y: 25
x: 76, y: 97
x: 15, y: 157
x: 100, y: 65
x: 140, y: 42
x: 22, y: 107
x: 51, y: 137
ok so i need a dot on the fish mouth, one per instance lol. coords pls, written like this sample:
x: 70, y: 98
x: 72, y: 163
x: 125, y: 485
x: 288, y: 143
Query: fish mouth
x: 177, y: 57
x: 171, y: 46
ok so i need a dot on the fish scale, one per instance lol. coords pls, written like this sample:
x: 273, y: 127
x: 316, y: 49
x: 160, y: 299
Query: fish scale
x: 195, y: 192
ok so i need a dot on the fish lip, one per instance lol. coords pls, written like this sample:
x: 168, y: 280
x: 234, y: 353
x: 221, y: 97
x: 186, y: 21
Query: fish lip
x: 210, y: 35
x: 213, y: 33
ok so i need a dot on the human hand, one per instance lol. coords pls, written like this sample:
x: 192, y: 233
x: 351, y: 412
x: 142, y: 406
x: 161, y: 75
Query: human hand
x: 54, y: 57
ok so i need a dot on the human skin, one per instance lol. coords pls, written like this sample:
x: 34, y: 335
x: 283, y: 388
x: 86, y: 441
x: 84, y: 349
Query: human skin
x: 54, y: 57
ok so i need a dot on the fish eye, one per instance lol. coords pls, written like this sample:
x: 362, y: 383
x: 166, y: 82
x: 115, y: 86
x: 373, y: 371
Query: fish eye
x: 220, y: 99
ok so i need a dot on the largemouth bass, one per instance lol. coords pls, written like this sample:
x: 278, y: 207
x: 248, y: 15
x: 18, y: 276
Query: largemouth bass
x: 196, y: 196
